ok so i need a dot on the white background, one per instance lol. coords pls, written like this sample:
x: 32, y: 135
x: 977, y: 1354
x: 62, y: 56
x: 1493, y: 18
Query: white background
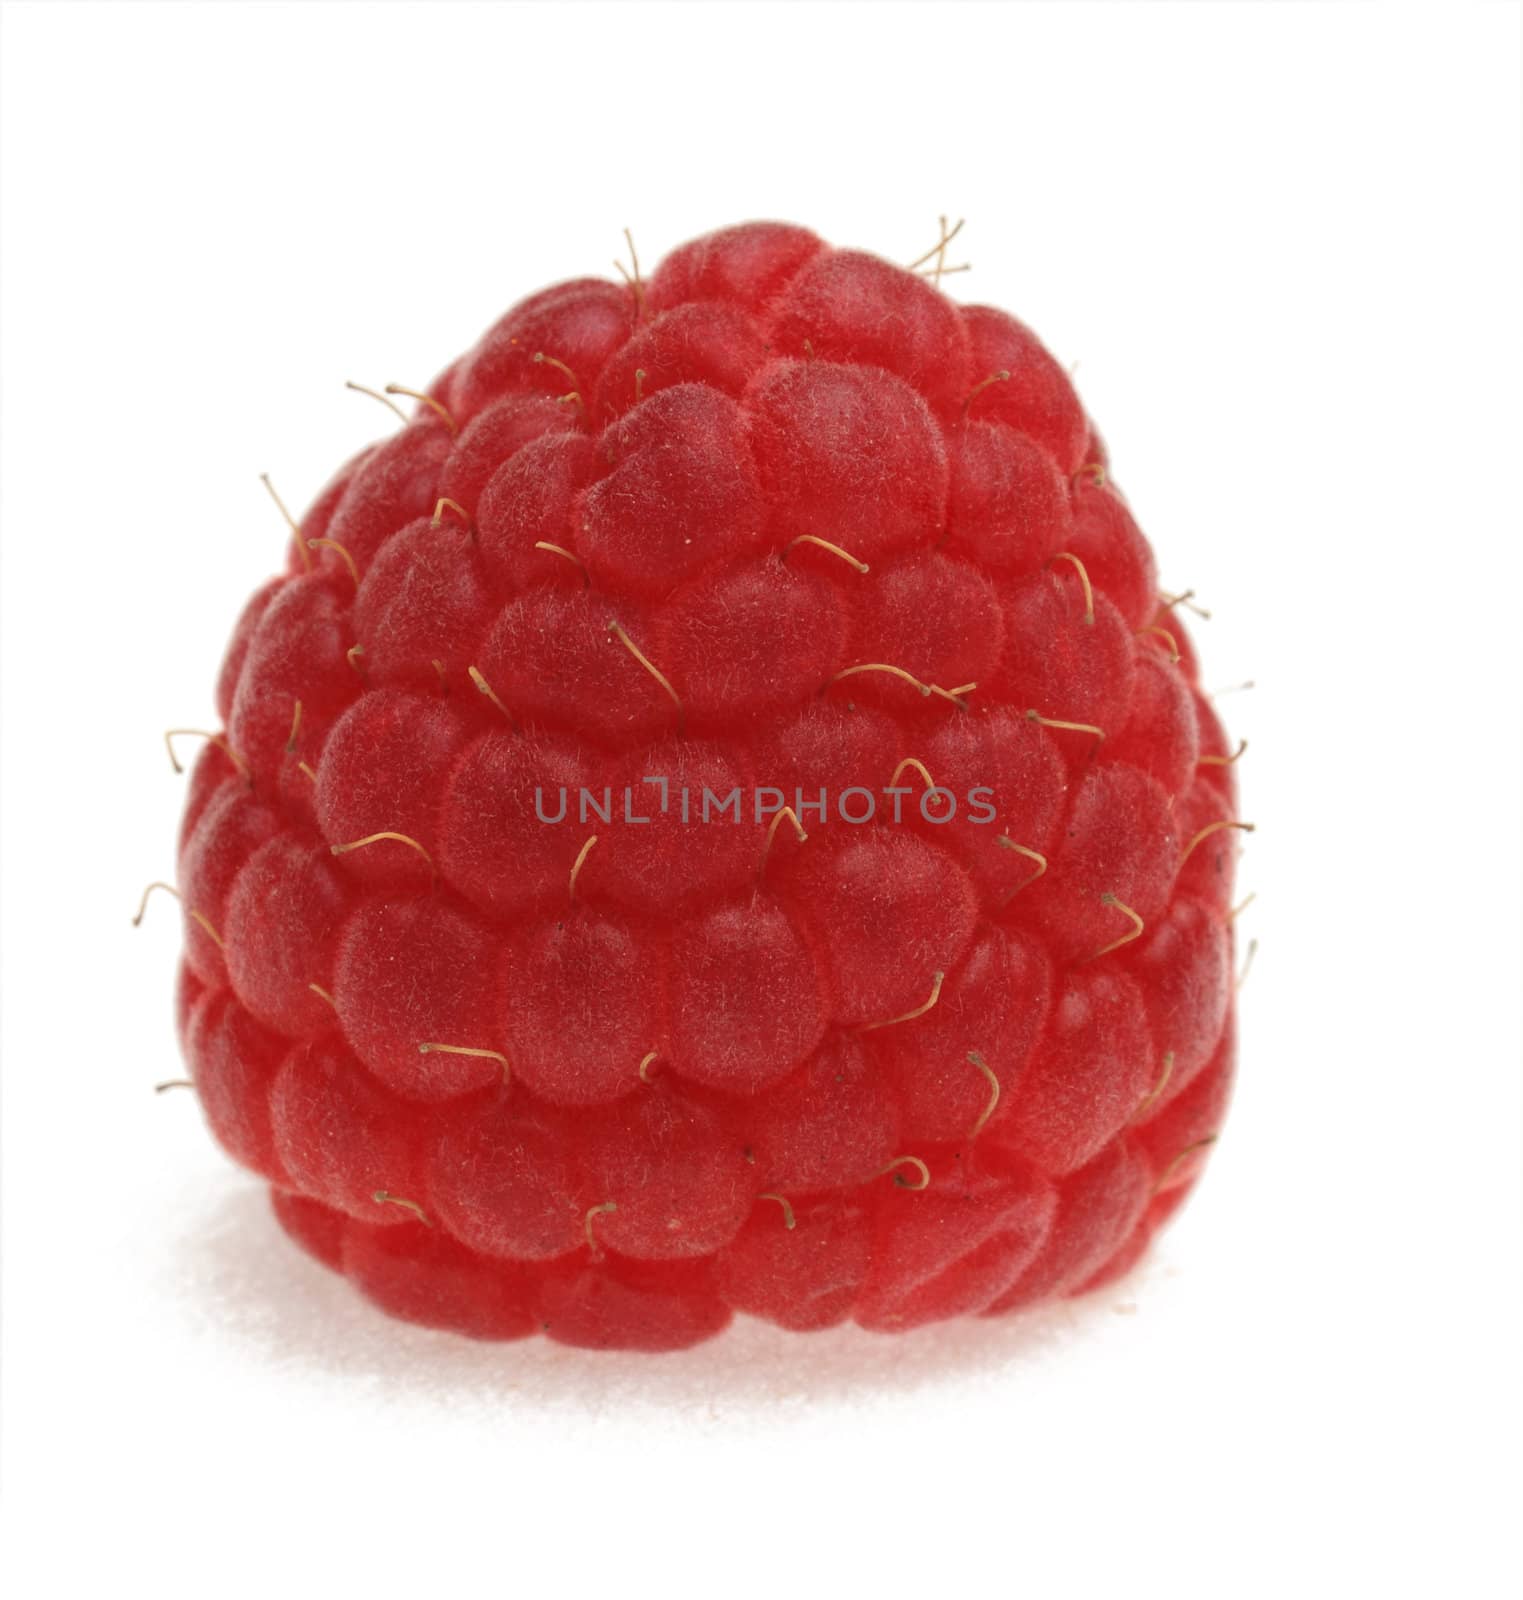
x: 1282, y: 243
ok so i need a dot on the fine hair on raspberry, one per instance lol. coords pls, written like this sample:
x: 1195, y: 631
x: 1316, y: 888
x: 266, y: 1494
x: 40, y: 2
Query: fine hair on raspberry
x: 716, y: 816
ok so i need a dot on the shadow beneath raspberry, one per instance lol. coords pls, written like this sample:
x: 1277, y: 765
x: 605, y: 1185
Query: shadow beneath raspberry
x: 240, y: 1279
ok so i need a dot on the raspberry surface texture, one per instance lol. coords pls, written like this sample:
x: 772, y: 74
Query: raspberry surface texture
x: 780, y: 526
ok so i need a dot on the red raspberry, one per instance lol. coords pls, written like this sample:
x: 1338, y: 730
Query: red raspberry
x: 783, y: 526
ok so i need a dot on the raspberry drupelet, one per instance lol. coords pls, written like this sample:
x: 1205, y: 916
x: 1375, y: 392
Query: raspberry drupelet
x: 785, y: 523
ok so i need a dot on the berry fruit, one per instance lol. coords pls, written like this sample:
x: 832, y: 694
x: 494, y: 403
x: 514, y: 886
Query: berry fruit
x: 716, y: 816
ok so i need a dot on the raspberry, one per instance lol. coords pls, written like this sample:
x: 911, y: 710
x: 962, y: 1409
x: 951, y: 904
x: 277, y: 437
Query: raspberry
x: 540, y: 952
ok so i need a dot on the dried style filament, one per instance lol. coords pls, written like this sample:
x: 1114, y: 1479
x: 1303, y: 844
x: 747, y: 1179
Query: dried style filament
x: 920, y: 1167
x: 383, y: 1197
x: 618, y: 632
x: 937, y: 979
x: 983, y: 1066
